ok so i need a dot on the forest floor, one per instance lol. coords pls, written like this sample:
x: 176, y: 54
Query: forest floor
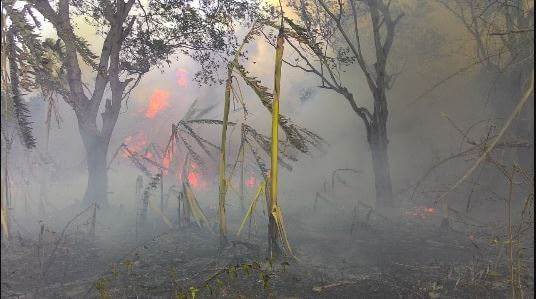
x: 362, y: 257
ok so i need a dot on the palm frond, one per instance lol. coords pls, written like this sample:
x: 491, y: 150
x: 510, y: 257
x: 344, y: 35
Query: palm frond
x: 299, y: 137
x: 202, y: 142
x: 153, y: 184
x: 193, y: 154
x: 22, y: 113
x: 207, y: 121
x: 258, y: 159
x: 133, y: 157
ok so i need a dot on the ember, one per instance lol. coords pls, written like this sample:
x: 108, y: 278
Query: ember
x: 250, y: 182
x: 421, y: 212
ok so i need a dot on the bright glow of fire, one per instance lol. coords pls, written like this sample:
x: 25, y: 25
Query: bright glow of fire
x: 421, y: 212
x: 166, y: 161
x: 193, y: 179
x: 136, y: 142
x: 182, y: 78
x: 158, y: 102
x: 250, y: 182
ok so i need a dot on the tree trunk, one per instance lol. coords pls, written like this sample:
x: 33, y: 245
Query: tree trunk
x: 274, y: 250
x: 378, y: 142
x: 97, y: 186
x: 380, y: 163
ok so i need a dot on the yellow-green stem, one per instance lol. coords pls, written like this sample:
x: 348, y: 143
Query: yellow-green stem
x: 222, y: 166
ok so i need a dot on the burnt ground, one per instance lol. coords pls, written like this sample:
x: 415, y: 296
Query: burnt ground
x: 360, y: 257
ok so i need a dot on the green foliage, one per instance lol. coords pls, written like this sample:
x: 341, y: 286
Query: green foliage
x: 193, y: 292
x: 102, y: 286
x: 211, y: 285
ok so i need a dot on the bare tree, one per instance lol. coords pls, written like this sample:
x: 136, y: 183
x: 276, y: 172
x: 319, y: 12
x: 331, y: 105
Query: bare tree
x: 503, y: 35
x: 327, y: 40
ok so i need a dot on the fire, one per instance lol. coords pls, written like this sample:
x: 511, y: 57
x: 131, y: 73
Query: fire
x: 250, y: 182
x: 149, y: 155
x: 421, y: 212
x: 158, y: 102
x: 193, y: 179
x: 166, y: 161
x: 182, y: 78
x: 136, y: 142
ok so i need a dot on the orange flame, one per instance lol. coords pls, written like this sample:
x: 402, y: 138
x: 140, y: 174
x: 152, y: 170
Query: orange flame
x: 250, y: 182
x: 136, y: 142
x: 193, y: 179
x: 149, y: 155
x: 158, y: 102
x: 166, y: 161
x: 430, y: 210
x: 421, y: 212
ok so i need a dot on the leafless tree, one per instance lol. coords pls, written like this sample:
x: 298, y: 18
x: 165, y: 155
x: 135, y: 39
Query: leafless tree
x: 328, y: 39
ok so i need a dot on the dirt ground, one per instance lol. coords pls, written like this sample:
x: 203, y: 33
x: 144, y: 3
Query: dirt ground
x: 365, y: 256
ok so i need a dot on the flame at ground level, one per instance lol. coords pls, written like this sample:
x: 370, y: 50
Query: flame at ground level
x: 250, y: 182
x: 421, y: 212
x: 193, y: 179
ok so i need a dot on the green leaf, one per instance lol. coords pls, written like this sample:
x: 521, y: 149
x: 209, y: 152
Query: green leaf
x: 193, y: 292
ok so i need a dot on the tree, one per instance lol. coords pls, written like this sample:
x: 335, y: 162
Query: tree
x: 15, y: 76
x: 503, y: 35
x: 134, y: 38
x: 327, y: 38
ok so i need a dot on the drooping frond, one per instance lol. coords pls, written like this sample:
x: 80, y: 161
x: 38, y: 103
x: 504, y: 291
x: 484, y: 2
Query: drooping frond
x: 153, y: 184
x: 204, y: 111
x: 133, y: 157
x: 193, y: 154
x: 264, y: 142
x: 207, y: 121
x: 22, y: 113
x: 299, y: 137
x: 258, y: 159
x: 202, y: 142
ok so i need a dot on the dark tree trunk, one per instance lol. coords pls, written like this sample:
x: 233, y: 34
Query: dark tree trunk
x: 378, y: 143
x: 97, y: 186
x: 376, y: 126
x: 382, y: 176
